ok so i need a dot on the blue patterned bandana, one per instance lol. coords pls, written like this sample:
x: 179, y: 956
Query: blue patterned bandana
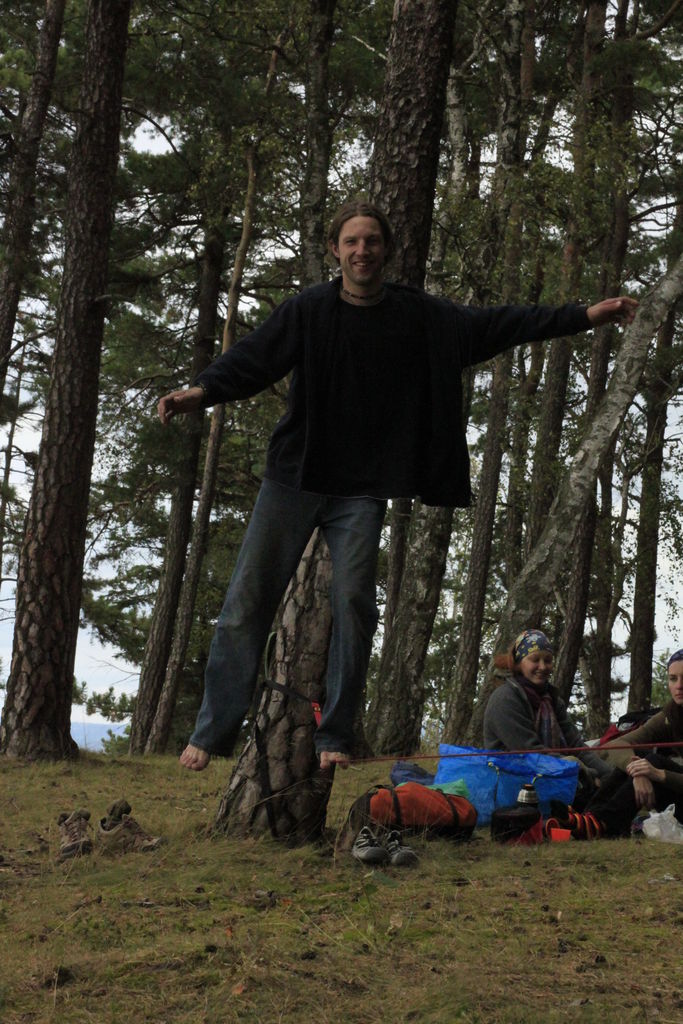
x: 529, y: 641
x: 677, y: 656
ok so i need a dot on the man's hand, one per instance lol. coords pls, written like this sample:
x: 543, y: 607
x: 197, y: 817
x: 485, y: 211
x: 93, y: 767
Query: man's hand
x: 618, y: 311
x: 179, y: 403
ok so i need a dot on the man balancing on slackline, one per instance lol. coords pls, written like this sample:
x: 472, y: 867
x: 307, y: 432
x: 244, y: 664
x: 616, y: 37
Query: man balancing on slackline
x: 374, y: 411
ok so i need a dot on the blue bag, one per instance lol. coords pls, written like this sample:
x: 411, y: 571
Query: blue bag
x: 494, y: 778
x: 406, y: 771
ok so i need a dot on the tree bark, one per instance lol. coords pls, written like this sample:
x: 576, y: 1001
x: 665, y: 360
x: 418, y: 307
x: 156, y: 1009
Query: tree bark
x: 643, y: 626
x: 21, y: 187
x: 36, y: 717
x: 293, y: 803
x: 535, y: 582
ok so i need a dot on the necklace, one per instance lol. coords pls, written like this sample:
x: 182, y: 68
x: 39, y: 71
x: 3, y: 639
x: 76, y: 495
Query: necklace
x: 363, y: 298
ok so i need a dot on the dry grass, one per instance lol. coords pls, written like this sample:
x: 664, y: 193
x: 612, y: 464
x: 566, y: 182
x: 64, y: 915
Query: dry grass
x: 216, y: 930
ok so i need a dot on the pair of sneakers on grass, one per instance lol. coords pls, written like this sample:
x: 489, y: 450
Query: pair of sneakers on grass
x: 368, y: 849
x: 118, y: 832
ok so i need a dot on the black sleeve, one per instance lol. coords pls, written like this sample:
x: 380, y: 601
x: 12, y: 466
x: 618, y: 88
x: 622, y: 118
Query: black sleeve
x: 257, y: 360
x: 485, y: 332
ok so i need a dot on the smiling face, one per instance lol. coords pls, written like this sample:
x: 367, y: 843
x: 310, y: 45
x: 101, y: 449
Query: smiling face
x: 536, y: 667
x: 361, y: 251
x: 675, y: 680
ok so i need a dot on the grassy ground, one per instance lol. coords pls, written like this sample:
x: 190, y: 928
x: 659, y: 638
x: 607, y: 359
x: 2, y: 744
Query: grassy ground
x: 209, y: 930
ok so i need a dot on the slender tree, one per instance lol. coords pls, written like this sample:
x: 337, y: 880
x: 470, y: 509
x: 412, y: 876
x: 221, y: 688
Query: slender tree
x: 20, y: 204
x: 160, y: 634
x: 36, y: 717
x: 505, y: 233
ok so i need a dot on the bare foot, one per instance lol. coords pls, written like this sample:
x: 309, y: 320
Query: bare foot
x: 332, y: 757
x: 194, y: 758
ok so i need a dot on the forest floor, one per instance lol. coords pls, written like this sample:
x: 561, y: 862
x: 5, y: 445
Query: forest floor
x: 208, y: 929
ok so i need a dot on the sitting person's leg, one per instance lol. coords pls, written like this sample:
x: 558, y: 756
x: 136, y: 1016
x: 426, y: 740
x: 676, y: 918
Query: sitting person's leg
x: 608, y: 813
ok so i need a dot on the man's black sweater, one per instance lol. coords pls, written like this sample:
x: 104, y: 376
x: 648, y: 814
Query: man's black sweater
x: 375, y: 398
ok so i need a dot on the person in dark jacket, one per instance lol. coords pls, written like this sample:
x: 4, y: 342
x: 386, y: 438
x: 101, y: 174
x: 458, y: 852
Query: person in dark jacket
x: 644, y: 778
x: 374, y: 412
x: 527, y: 713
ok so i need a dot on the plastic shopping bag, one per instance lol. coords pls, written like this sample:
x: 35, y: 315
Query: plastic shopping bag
x: 664, y: 825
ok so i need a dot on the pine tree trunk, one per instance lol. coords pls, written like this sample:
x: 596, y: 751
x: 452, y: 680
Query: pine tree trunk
x: 504, y: 233
x: 163, y: 618
x: 318, y: 141
x: 547, y: 464
x: 20, y: 197
x: 594, y: 523
x: 286, y: 727
x: 643, y: 627
x: 36, y: 717
x: 467, y: 662
x: 403, y: 178
x: 394, y: 719
x: 293, y: 803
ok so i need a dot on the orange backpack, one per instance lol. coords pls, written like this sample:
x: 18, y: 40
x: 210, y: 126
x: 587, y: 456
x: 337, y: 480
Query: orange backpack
x: 415, y: 808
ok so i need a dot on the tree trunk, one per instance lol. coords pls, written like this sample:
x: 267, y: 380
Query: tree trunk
x: 292, y: 803
x: 535, y: 582
x: 547, y: 464
x: 406, y: 154
x: 318, y: 141
x: 21, y: 187
x: 594, y: 523
x: 404, y: 168
x: 163, y: 618
x: 467, y: 661
x: 643, y: 626
x: 161, y: 724
x: 285, y: 753
x: 395, y: 716
x: 36, y: 717
x: 505, y: 234
x: 12, y: 408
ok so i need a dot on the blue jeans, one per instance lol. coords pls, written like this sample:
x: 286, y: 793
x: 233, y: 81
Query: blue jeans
x: 279, y: 530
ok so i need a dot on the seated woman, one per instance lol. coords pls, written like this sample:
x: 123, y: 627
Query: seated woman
x: 527, y: 713
x: 643, y: 780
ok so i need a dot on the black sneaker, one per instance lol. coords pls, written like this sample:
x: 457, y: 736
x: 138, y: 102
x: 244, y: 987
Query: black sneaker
x: 368, y: 849
x: 400, y: 856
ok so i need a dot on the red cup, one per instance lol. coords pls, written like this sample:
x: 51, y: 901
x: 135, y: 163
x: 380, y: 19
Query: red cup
x: 560, y: 835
